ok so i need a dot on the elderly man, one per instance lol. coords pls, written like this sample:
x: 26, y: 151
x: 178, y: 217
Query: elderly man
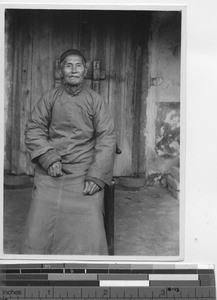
x: 70, y: 138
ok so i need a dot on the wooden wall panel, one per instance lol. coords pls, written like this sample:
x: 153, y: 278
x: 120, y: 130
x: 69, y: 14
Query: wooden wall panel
x: 101, y: 45
x: 85, y: 28
x: 107, y: 37
x: 16, y: 96
x: 119, y: 94
x: 25, y: 93
x: 9, y: 74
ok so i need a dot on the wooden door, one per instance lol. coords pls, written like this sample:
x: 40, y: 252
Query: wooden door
x: 113, y: 43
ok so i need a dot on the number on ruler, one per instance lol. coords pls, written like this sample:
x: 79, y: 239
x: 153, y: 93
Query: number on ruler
x: 173, y: 292
x: 175, y: 289
x: 102, y: 292
x: 163, y: 292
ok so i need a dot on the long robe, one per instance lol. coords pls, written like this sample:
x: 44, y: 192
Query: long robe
x: 62, y: 220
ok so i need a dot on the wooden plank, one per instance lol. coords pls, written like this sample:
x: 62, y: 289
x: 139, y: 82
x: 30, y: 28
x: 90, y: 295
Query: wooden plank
x: 137, y: 100
x: 36, y: 90
x: 137, y: 112
x: 59, y: 42
x: 25, y: 93
x: 100, y: 44
x: 104, y: 57
x: 112, y: 93
x: 145, y: 88
x: 85, y: 41
x: 50, y: 51
x: 9, y: 74
x: 130, y: 70
x: 15, y: 137
x: 44, y: 69
x: 119, y: 88
x: 72, y: 29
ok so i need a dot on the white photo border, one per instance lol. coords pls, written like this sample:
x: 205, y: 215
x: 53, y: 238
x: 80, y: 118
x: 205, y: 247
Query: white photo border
x: 52, y: 258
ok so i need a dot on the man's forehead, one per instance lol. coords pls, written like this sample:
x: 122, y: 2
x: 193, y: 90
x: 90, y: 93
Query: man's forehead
x: 73, y: 58
x: 72, y: 52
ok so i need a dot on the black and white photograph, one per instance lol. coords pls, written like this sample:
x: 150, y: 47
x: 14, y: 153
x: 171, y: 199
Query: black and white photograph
x: 92, y: 135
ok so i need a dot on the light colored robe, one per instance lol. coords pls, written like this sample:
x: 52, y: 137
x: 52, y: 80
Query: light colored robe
x: 80, y: 131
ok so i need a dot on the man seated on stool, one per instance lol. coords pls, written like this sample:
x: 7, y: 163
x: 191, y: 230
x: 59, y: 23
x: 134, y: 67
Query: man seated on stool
x: 71, y: 139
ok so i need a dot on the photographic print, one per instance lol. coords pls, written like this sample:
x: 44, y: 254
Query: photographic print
x: 92, y: 133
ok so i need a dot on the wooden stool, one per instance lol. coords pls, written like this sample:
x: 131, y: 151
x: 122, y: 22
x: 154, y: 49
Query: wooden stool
x: 109, y: 196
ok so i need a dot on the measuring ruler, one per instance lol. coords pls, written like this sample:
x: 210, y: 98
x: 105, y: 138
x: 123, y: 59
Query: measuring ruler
x: 106, y: 281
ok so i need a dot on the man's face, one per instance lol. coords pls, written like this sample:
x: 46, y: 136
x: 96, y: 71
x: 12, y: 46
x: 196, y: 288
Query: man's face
x: 73, y: 69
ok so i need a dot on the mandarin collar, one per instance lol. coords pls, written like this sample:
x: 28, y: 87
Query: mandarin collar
x: 73, y: 90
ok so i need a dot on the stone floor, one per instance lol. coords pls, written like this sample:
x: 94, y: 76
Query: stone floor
x: 146, y: 221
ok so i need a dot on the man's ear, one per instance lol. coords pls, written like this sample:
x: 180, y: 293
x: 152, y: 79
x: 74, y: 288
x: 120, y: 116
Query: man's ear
x: 60, y: 69
x: 87, y: 66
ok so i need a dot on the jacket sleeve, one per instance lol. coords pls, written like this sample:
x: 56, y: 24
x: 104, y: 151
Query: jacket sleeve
x: 37, y: 130
x: 105, y: 144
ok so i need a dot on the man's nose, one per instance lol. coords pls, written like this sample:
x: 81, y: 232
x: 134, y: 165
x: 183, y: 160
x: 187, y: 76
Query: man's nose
x: 74, y: 69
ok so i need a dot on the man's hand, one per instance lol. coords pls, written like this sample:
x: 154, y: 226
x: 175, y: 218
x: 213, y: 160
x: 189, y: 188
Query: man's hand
x: 55, y: 170
x: 90, y: 188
